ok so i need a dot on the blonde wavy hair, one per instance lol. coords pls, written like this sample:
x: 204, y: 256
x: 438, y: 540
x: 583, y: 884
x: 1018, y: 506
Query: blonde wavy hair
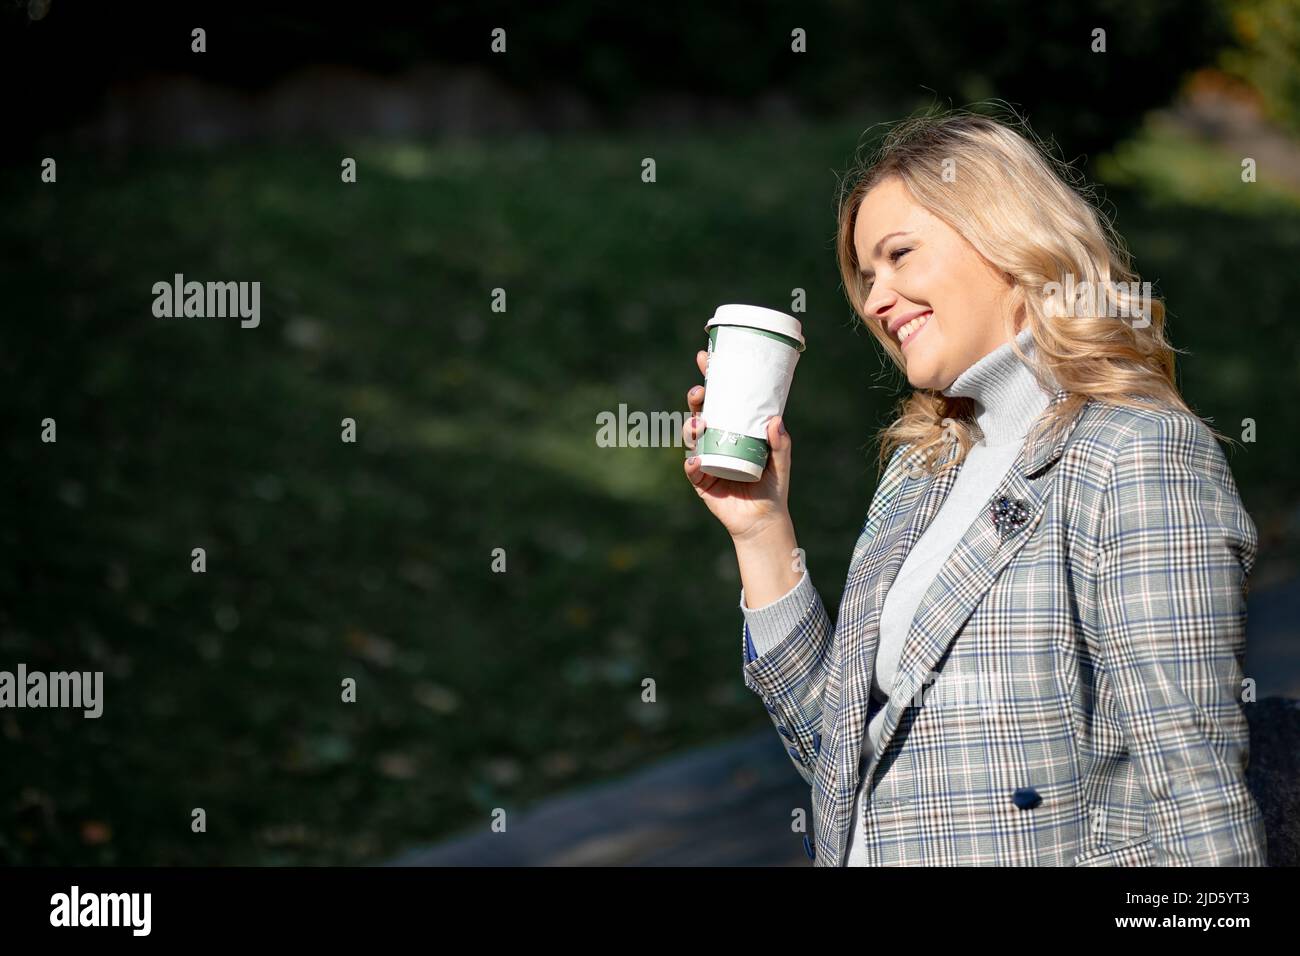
x: 1035, y: 219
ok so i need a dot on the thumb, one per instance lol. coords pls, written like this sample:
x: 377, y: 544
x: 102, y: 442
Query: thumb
x: 778, y: 439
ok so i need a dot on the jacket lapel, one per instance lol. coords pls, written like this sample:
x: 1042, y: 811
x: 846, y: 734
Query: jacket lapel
x: 875, y: 565
x: 905, y: 520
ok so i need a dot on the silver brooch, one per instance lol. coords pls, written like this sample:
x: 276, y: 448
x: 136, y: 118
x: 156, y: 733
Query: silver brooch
x: 1009, y: 514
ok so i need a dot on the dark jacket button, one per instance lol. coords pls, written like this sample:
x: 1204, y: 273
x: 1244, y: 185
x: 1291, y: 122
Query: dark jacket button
x: 1026, y: 798
x: 784, y: 733
x: 795, y: 754
x: 817, y: 742
x: 809, y: 847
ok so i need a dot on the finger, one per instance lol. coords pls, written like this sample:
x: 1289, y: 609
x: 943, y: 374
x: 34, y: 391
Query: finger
x: 695, y: 399
x: 695, y: 472
x: 692, y: 431
x: 780, y: 443
x: 702, y: 360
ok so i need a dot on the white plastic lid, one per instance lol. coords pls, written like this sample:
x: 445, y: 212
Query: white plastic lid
x: 757, y: 317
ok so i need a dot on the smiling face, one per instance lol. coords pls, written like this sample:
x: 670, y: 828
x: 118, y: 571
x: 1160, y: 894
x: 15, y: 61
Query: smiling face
x: 923, y: 267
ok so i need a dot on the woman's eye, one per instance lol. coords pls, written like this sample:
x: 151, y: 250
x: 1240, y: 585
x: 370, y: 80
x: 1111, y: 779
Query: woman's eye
x: 894, y: 256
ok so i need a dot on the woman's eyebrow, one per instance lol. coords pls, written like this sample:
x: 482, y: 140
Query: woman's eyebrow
x: 875, y: 253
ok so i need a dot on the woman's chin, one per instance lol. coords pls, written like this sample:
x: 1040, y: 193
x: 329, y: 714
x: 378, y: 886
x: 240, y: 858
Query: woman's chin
x: 921, y: 375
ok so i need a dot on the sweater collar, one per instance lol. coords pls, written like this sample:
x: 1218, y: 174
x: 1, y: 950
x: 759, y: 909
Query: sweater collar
x: 1008, y: 398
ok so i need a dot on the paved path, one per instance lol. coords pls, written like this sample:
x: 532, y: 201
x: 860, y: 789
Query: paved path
x: 726, y: 805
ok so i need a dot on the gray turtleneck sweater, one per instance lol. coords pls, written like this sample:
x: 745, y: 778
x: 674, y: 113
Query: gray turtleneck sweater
x: 1008, y: 400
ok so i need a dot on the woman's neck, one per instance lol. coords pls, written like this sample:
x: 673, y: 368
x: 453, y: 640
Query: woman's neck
x: 1008, y: 399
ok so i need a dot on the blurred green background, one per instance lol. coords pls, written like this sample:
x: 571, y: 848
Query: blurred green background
x: 476, y: 430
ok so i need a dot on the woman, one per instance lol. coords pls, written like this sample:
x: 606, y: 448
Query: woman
x: 1037, y: 658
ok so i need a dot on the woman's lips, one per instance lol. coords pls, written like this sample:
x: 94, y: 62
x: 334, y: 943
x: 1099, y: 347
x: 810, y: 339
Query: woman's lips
x: 924, y: 320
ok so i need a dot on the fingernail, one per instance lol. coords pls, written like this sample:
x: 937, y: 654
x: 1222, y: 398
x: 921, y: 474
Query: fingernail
x: 780, y: 426
x: 691, y: 460
x: 696, y: 390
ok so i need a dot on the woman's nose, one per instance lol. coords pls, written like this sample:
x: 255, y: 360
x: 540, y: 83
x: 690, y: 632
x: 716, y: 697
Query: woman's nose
x: 878, y: 305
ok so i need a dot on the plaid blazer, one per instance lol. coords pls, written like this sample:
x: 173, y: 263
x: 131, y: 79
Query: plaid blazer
x: 1068, y: 694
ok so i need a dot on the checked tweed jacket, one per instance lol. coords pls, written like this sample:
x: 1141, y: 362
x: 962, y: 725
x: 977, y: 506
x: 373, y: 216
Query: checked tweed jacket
x: 1069, y: 691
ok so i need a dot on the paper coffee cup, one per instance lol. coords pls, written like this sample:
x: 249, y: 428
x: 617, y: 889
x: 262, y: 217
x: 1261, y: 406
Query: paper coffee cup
x: 752, y: 355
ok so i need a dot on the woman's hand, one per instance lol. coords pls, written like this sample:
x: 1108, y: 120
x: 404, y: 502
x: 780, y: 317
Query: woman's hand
x: 745, y: 508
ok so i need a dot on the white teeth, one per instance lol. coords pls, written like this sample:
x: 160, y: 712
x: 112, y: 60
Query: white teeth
x: 912, y: 326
